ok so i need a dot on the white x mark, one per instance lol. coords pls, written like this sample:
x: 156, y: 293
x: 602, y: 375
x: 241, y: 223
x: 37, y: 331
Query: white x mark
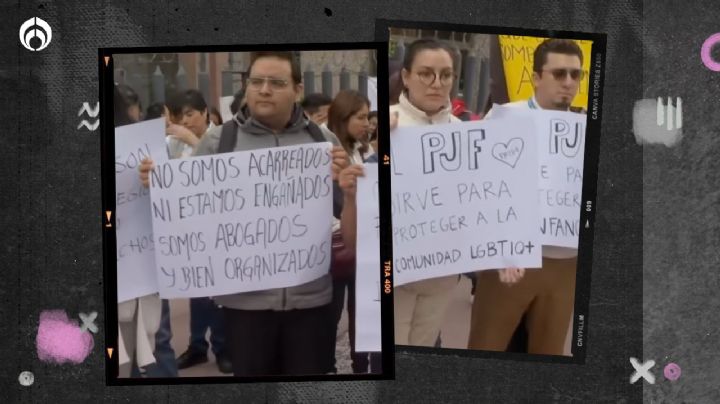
x: 89, y: 322
x: 642, y: 371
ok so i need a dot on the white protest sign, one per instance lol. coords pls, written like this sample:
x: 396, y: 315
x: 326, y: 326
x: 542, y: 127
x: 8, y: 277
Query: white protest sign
x: 372, y: 92
x: 225, y: 111
x: 367, y: 270
x: 562, y: 136
x: 561, y: 152
x: 464, y: 198
x: 133, y: 227
x: 244, y: 221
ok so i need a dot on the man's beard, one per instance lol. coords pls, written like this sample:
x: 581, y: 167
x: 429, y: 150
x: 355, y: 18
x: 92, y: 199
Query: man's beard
x: 562, y: 105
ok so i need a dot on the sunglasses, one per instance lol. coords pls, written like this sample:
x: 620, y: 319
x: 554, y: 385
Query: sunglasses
x: 561, y: 74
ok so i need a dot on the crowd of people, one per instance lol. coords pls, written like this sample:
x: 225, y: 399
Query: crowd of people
x: 284, y: 331
x: 294, y: 329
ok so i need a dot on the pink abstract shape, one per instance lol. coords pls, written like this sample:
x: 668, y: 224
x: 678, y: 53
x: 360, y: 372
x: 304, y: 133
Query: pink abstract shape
x: 706, y: 55
x: 60, y: 340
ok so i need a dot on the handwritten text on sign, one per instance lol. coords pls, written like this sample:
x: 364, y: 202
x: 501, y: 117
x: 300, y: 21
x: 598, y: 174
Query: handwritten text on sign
x: 562, y: 136
x: 464, y: 199
x: 243, y: 221
x: 561, y: 151
x: 135, y: 247
x: 368, y: 271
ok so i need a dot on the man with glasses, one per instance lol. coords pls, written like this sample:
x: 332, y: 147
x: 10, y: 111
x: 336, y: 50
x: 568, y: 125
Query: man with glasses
x: 283, y: 331
x: 545, y: 297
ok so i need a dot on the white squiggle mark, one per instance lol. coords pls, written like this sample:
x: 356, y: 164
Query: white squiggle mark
x: 91, y: 126
x: 93, y: 112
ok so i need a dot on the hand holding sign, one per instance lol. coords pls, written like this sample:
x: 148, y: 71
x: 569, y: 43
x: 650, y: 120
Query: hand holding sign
x: 510, y: 276
x: 183, y: 134
x: 145, y: 168
x: 340, y: 160
x: 348, y: 179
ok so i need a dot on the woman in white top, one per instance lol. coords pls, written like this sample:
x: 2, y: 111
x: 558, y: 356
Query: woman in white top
x: 427, y: 78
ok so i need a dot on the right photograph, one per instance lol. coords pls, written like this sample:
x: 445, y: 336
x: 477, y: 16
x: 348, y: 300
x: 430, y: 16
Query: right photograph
x: 488, y: 149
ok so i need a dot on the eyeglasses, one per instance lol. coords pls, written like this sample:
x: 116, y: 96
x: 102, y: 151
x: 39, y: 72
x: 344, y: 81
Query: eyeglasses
x: 561, y: 74
x: 257, y: 83
x: 428, y: 77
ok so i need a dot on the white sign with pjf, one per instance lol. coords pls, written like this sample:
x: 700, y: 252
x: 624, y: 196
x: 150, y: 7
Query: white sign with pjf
x: 464, y: 198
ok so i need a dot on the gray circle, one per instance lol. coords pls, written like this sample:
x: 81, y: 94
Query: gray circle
x: 26, y: 378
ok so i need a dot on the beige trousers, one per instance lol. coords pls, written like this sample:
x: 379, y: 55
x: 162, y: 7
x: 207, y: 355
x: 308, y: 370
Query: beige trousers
x: 420, y: 310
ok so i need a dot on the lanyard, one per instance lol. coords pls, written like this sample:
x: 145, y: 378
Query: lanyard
x: 531, y: 104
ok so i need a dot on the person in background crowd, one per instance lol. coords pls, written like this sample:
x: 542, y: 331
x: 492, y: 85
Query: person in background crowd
x: 347, y: 181
x: 544, y: 296
x: 155, y: 111
x: 348, y: 120
x: 350, y: 123
x: 132, y: 101
x: 238, y: 101
x: 396, y: 87
x: 282, y: 331
x: 215, y: 117
x: 192, y: 110
x: 316, y: 107
x: 373, y: 131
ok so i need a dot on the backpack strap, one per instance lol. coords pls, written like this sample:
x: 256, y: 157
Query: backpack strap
x: 228, y: 136
x: 316, y: 133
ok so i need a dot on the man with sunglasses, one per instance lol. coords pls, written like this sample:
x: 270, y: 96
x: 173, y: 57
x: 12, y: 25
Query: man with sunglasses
x: 557, y: 72
x: 544, y: 297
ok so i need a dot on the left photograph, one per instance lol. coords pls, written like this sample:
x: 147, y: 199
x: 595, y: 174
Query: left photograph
x: 225, y: 256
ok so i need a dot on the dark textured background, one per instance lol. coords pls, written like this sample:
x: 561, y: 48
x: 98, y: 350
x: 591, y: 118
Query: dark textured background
x: 681, y: 210
x: 51, y: 211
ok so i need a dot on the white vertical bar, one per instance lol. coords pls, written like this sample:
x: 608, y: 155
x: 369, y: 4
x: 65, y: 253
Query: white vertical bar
x: 678, y: 113
x: 660, y: 112
x: 669, y: 111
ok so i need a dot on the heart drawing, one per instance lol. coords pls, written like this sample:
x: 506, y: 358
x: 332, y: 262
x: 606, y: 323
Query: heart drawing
x: 509, y: 153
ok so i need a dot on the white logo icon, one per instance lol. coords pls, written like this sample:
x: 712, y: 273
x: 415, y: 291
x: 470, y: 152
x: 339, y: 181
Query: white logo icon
x: 35, y: 28
x: 665, y: 113
x: 642, y: 371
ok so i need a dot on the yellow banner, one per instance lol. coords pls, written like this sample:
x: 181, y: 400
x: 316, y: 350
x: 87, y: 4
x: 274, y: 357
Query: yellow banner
x: 517, y: 54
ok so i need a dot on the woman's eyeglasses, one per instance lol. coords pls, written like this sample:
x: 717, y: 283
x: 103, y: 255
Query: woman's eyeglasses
x: 257, y: 83
x: 561, y: 74
x: 428, y: 77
